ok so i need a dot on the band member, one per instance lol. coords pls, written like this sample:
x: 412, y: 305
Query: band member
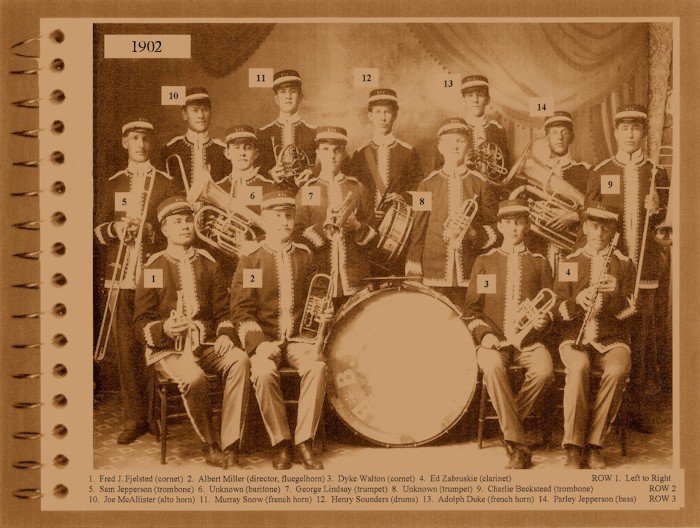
x: 333, y: 215
x: 442, y: 261
x: 288, y: 129
x: 625, y: 181
x: 388, y: 167
x: 492, y: 317
x: 198, y: 152
x: 267, y: 317
x: 605, y: 344
x: 181, y: 306
x: 124, y: 209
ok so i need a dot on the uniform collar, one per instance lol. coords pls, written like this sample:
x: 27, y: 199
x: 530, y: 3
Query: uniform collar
x: 175, y: 253
x: 559, y: 161
x: 289, y: 120
x: 457, y: 172
x: 509, y: 249
x: 635, y: 158
x: 589, y: 251
x: 328, y: 178
x: 480, y: 121
x: 244, y: 176
x: 276, y: 247
x: 197, y: 137
x: 139, y: 167
x: 383, y: 140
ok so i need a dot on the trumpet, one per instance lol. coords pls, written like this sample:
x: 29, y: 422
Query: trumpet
x: 294, y: 161
x: 336, y: 219
x: 528, y: 311
x: 488, y: 159
x: 457, y: 225
x: 180, y: 167
x: 190, y: 340
x: 223, y: 222
x: 313, y: 326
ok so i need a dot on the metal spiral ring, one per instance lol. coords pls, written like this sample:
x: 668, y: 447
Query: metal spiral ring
x: 57, y: 96
x: 57, y: 157
x: 56, y: 65
x: 30, y: 255
x: 57, y: 127
x: 26, y: 405
x: 27, y: 285
x: 27, y: 375
x: 29, y: 465
x: 57, y: 36
x: 26, y: 435
x: 28, y: 493
x: 58, y: 219
x: 58, y: 188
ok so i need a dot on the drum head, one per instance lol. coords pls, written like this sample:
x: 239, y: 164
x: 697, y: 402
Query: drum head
x: 402, y: 366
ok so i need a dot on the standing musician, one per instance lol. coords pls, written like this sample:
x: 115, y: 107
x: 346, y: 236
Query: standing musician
x: 600, y: 298
x: 442, y: 264
x: 124, y: 207
x: 388, y: 167
x: 492, y: 312
x: 267, y: 316
x: 625, y: 181
x: 181, y: 305
x: 198, y: 152
x: 334, y: 217
x: 288, y: 129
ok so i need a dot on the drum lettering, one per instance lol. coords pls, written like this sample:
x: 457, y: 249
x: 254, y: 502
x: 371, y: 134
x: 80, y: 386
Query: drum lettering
x: 362, y: 410
x: 345, y: 378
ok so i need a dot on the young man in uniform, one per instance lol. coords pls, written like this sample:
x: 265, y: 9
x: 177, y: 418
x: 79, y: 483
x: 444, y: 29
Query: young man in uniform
x: 124, y: 209
x: 268, y: 297
x: 492, y: 317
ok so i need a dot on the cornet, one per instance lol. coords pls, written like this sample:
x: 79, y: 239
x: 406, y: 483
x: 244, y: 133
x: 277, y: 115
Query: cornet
x: 457, y: 225
x: 190, y: 340
x: 528, y: 311
x: 336, y: 219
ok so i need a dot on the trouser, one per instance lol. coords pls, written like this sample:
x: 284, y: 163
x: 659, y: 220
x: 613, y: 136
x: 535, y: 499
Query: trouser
x: 643, y: 332
x: 581, y: 426
x: 190, y: 376
x: 131, y: 363
x: 511, y: 410
x: 266, y: 381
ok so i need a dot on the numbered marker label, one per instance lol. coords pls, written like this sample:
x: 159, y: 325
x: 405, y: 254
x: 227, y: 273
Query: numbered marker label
x: 153, y: 278
x: 366, y: 77
x: 541, y: 106
x: 568, y: 272
x: 260, y: 77
x: 609, y: 184
x: 449, y: 82
x: 252, y: 278
x: 121, y: 202
x: 311, y: 195
x: 422, y: 201
x: 172, y: 95
x: 486, y: 283
x: 251, y: 195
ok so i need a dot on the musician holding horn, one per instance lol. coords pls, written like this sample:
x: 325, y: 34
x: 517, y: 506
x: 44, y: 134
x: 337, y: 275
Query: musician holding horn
x: 125, y: 220
x: 595, y: 306
x: 503, y: 282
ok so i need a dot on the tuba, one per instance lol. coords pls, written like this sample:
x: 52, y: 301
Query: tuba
x: 223, y: 222
x: 457, y: 225
x: 528, y: 310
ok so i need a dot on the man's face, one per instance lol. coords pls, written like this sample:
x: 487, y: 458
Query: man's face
x: 453, y: 147
x: 197, y: 116
x: 179, y: 229
x: 559, y: 138
x: 476, y: 100
x: 382, y: 118
x: 278, y: 223
x: 138, y: 145
x: 331, y: 156
x: 598, y: 233
x: 513, y: 229
x: 288, y: 98
x: 629, y: 136
x: 242, y: 155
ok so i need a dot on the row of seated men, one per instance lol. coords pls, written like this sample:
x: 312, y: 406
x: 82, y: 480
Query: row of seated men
x: 431, y: 257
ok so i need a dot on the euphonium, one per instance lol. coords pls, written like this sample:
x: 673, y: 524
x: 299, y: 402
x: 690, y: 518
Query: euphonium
x: 457, y: 225
x: 529, y: 310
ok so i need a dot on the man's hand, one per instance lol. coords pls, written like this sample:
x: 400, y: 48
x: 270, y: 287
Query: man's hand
x: 304, y: 176
x: 277, y: 172
x: 351, y: 222
x: 326, y: 315
x: 586, y: 297
x: 540, y: 321
x: 269, y: 349
x: 564, y: 219
x: 394, y: 197
x: 608, y: 284
x: 222, y: 345
x: 126, y: 229
x: 175, y: 326
x: 490, y: 341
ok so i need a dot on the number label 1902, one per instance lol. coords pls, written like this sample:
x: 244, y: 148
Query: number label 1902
x: 150, y: 46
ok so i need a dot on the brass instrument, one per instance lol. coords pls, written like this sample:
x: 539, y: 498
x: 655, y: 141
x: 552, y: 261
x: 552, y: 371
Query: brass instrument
x: 223, y: 222
x: 488, y: 159
x: 313, y: 326
x: 642, y: 250
x: 181, y: 168
x: 598, y: 282
x: 528, y: 310
x: 121, y: 265
x: 190, y: 340
x: 293, y: 160
x: 336, y: 219
x: 457, y: 225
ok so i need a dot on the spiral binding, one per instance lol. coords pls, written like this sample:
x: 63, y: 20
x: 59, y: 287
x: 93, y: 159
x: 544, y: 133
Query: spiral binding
x: 58, y: 280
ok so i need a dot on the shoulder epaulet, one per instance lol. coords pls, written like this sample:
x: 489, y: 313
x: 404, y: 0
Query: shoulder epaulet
x: 154, y: 257
x: 219, y: 142
x: 222, y: 180
x: 432, y: 174
x: 301, y: 246
x: 404, y: 144
x: 312, y: 180
x: 537, y: 255
x: 164, y: 174
x: 119, y: 173
x: 619, y: 254
x: 365, y: 144
x: 310, y: 125
x: 586, y: 165
x: 496, y: 123
x: 602, y: 163
x: 477, y: 174
x: 575, y: 253
x: 351, y: 178
x: 204, y: 253
x: 176, y: 138
x: 491, y: 251
x: 268, y: 125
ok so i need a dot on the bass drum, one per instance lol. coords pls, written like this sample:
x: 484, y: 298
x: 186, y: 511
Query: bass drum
x: 402, y: 365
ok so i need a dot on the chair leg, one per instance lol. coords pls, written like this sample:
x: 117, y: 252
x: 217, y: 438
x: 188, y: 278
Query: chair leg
x: 623, y: 424
x: 482, y: 412
x: 163, y: 390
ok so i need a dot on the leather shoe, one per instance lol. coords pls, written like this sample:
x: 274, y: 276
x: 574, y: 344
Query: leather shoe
x: 282, y: 459
x: 230, y: 456
x: 574, y: 457
x: 212, y: 454
x: 306, y: 454
x: 520, y: 459
x: 595, y: 458
x: 132, y: 432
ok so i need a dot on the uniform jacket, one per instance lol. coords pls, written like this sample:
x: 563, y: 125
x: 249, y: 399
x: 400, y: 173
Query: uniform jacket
x: 205, y: 300
x: 351, y: 250
x: 297, y: 132
x: 235, y: 182
x: 211, y: 153
x: 635, y: 181
x: 520, y: 275
x: 608, y: 325
x: 273, y: 311
x: 428, y: 254
x: 131, y: 180
x: 491, y: 131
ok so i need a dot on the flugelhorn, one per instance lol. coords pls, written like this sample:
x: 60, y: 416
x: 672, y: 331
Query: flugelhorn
x: 457, y: 225
x: 529, y: 310
x: 223, y: 222
x: 313, y: 326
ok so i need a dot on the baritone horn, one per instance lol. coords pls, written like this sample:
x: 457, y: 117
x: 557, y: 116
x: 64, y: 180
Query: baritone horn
x: 457, y: 225
x: 223, y: 222
x: 529, y: 310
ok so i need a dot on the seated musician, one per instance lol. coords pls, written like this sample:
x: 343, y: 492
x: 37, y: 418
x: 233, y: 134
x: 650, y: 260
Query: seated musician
x: 181, y: 305
x: 441, y: 258
x: 266, y: 316
x: 601, y: 297
x: 333, y: 215
x: 492, y: 317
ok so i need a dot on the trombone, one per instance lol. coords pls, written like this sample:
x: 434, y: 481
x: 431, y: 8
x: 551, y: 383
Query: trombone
x: 181, y: 168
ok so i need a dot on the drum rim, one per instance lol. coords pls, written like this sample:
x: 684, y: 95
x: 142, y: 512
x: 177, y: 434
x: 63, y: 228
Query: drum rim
x: 368, y: 293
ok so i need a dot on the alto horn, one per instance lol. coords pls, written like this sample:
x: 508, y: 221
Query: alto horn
x: 457, y: 225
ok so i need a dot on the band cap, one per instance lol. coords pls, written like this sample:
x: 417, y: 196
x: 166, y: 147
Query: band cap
x: 139, y: 124
x: 285, y: 77
x: 278, y: 199
x: 196, y: 95
x: 241, y: 133
x: 173, y: 205
x: 597, y: 210
x: 452, y: 125
x: 383, y: 94
x: 331, y: 133
x: 631, y: 112
x: 559, y: 118
x: 474, y: 81
x: 513, y: 207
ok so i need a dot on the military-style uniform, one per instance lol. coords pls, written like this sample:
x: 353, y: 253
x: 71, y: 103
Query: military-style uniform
x: 237, y: 182
x: 292, y: 130
x: 197, y: 151
x: 483, y: 129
